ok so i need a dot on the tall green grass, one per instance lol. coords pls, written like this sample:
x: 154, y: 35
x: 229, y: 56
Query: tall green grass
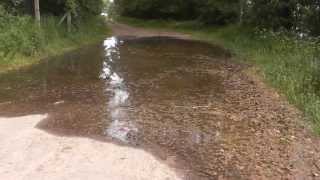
x: 22, y: 42
x: 288, y: 63
x: 18, y: 35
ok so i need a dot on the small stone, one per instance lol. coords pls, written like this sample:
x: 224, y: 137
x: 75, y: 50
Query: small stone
x: 58, y: 102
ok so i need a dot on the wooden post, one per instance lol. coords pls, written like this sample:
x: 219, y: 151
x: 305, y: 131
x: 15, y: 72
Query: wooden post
x: 241, y: 2
x: 69, y: 23
x: 37, y: 11
x: 62, y: 19
x: 68, y: 15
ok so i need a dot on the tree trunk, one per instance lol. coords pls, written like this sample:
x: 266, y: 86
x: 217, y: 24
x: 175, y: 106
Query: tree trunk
x: 37, y: 12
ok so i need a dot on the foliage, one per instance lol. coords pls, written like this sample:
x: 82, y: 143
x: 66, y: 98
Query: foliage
x: 15, y: 6
x: 301, y: 16
x: 310, y: 16
x: 273, y: 14
x: 218, y: 11
x: 19, y: 35
x: 80, y: 8
x: 175, y: 9
x: 208, y: 11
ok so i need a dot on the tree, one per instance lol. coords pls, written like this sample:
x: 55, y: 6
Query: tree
x: 274, y: 14
x: 37, y: 11
x: 208, y: 11
x: 219, y: 11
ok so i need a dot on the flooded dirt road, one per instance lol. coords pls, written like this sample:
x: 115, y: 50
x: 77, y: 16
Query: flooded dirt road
x: 185, y: 102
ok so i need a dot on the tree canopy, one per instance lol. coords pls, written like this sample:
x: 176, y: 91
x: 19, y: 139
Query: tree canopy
x: 56, y: 7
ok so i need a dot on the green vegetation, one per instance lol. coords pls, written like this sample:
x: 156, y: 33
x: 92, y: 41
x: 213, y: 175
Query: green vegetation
x: 22, y: 42
x: 293, y: 15
x: 223, y: 10
x: 291, y: 65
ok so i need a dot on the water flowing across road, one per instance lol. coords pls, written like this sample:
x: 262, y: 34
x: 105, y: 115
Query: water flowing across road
x: 183, y: 101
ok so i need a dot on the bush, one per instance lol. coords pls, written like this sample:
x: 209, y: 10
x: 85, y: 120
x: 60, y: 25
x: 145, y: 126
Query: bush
x: 18, y: 35
x: 160, y: 9
x: 21, y: 35
x: 219, y: 12
x: 207, y: 11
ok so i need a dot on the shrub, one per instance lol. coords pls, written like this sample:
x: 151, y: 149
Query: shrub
x: 18, y: 34
x: 21, y: 35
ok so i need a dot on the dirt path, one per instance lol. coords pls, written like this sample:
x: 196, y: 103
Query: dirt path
x: 247, y: 131
x: 119, y: 29
x: 281, y: 145
x: 28, y: 153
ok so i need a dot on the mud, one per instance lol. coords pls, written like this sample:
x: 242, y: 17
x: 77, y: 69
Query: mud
x: 184, y: 101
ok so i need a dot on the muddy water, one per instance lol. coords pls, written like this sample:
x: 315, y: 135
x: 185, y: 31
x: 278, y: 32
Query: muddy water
x: 159, y: 94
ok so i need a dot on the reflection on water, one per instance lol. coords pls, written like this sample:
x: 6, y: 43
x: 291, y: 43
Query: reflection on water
x: 121, y: 127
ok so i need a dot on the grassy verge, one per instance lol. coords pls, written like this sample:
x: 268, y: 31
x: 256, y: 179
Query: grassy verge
x: 289, y: 64
x: 22, y: 43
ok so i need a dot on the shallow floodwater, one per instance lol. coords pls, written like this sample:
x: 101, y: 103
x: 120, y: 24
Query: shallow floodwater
x: 159, y: 94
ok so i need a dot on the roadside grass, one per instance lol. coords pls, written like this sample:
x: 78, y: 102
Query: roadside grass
x: 22, y: 43
x: 289, y: 64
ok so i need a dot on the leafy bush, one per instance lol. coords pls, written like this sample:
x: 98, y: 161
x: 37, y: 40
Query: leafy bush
x: 207, y: 11
x: 21, y: 35
x: 219, y: 11
x: 79, y: 8
x: 160, y: 9
x: 18, y: 34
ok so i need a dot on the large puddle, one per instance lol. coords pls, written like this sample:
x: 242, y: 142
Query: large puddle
x: 159, y: 94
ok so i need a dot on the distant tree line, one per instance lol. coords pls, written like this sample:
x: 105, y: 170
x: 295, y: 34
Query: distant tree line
x: 294, y: 15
